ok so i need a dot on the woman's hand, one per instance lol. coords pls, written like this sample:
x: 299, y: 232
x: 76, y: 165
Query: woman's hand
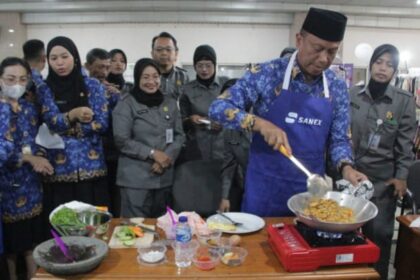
x: 81, y: 114
x: 163, y: 159
x: 196, y: 119
x: 39, y: 164
x: 224, y: 205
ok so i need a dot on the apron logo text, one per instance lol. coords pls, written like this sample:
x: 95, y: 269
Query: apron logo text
x: 293, y: 117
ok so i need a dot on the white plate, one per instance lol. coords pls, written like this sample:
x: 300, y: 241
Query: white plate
x: 250, y: 222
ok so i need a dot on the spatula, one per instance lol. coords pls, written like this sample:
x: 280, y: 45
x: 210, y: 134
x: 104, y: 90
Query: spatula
x: 62, y: 246
x: 317, y: 186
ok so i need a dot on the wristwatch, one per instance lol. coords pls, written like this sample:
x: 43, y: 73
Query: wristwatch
x: 26, y: 150
x: 152, y: 152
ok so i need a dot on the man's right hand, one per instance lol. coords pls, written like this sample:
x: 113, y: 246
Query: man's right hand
x: 273, y: 135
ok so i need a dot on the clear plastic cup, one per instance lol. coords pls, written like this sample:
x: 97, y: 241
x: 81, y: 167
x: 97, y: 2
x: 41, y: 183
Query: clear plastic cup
x: 210, y: 237
x: 184, y: 252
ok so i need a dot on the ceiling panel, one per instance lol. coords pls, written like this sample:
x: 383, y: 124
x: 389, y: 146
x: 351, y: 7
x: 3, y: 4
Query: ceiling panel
x: 124, y: 4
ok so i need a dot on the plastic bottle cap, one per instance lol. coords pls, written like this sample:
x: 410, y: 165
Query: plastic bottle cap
x: 183, y: 219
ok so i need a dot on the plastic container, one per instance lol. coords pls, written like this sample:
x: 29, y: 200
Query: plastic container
x: 210, y: 237
x: 184, y: 252
x: 234, y: 256
x: 153, y: 254
x: 206, y: 259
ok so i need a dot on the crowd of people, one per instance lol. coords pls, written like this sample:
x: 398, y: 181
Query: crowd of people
x: 167, y: 141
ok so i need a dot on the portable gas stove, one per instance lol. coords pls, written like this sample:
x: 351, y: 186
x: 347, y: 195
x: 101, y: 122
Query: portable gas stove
x: 301, y: 248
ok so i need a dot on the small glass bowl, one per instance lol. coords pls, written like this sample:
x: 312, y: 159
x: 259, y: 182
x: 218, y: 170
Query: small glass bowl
x: 234, y: 256
x: 153, y: 254
x: 206, y: 259
x: 221, y: 247
x: 210, y: 237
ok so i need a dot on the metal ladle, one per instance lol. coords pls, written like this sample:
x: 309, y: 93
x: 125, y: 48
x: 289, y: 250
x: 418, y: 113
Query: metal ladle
x: 317, y: 185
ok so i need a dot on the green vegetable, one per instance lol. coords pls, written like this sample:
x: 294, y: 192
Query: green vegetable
x: 66, y: 217
x: 126, y: 236
x: 130, y: 242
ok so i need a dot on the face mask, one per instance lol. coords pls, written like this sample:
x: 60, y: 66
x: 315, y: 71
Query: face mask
x: 14, y: 92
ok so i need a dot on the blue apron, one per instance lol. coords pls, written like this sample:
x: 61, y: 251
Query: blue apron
x: 271, y: 178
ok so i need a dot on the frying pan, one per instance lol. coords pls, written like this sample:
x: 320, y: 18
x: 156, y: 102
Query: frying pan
x: 364, y: 210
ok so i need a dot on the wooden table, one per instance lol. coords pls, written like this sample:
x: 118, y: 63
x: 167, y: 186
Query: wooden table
x: 408, y: 249
x: 261, y: 263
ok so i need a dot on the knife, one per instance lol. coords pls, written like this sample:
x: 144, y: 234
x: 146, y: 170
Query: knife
x: 144, y: 228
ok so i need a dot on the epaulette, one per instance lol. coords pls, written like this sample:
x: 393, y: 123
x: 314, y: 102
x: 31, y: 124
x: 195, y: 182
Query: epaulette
x: 404, y: 92
x: 180, y: 69
x: 125, y: 95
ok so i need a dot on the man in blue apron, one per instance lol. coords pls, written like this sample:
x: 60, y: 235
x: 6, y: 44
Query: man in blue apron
x: 297, y: 103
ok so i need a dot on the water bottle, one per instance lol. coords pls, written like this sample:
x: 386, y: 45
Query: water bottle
x: 182, y: 243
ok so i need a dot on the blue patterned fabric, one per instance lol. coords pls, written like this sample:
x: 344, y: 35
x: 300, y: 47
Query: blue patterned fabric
x: 112, y: 98
x: 20, y: 185
x: 6, y: 146
x: 263, y: 83
x: 83, y: 157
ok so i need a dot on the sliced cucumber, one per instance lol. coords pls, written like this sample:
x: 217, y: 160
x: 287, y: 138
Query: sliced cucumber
x: 125, y: 237
x: 129, y: 242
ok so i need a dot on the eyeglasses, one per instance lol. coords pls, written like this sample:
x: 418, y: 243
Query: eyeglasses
x: 162, y: 49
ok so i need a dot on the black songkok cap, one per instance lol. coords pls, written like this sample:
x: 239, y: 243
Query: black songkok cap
x: 325, y: 24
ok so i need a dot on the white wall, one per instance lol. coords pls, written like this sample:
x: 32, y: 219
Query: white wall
x: 11, y: 43
x: 234, y: 43
x: 403, y: 39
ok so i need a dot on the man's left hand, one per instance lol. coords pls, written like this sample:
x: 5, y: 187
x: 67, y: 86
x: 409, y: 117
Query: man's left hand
x: 353, y: 176
x: 399, y: 185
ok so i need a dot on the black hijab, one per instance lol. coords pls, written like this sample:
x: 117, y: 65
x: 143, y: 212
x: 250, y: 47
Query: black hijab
x: 150, y: 100
x: 205, y: 52
x: 117, y: 79
x: 70, y: 91
x: 377, y: 89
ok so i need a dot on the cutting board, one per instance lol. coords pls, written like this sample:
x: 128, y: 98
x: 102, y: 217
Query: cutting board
x: 146, y: 240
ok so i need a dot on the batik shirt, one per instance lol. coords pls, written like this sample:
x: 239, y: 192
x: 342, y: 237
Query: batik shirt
x: 263, y: 83
x: 83, y: 157
x: 20, y: 185
x: 6, y: 146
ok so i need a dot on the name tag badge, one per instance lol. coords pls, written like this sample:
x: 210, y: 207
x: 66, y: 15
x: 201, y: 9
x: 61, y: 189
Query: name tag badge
x: 169, y: 136
x: 374, y: 140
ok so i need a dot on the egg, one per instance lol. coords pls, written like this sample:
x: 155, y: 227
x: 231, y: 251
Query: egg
x: 234, y: 240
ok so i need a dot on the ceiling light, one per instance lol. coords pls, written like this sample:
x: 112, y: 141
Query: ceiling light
x: 11, y: 45
x: 11, y: 30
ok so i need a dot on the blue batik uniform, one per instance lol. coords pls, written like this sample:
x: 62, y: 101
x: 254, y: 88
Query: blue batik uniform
x: 312, y: 119
x: 83, y: 157
x: 6, y: 148
x: 20, y: 185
